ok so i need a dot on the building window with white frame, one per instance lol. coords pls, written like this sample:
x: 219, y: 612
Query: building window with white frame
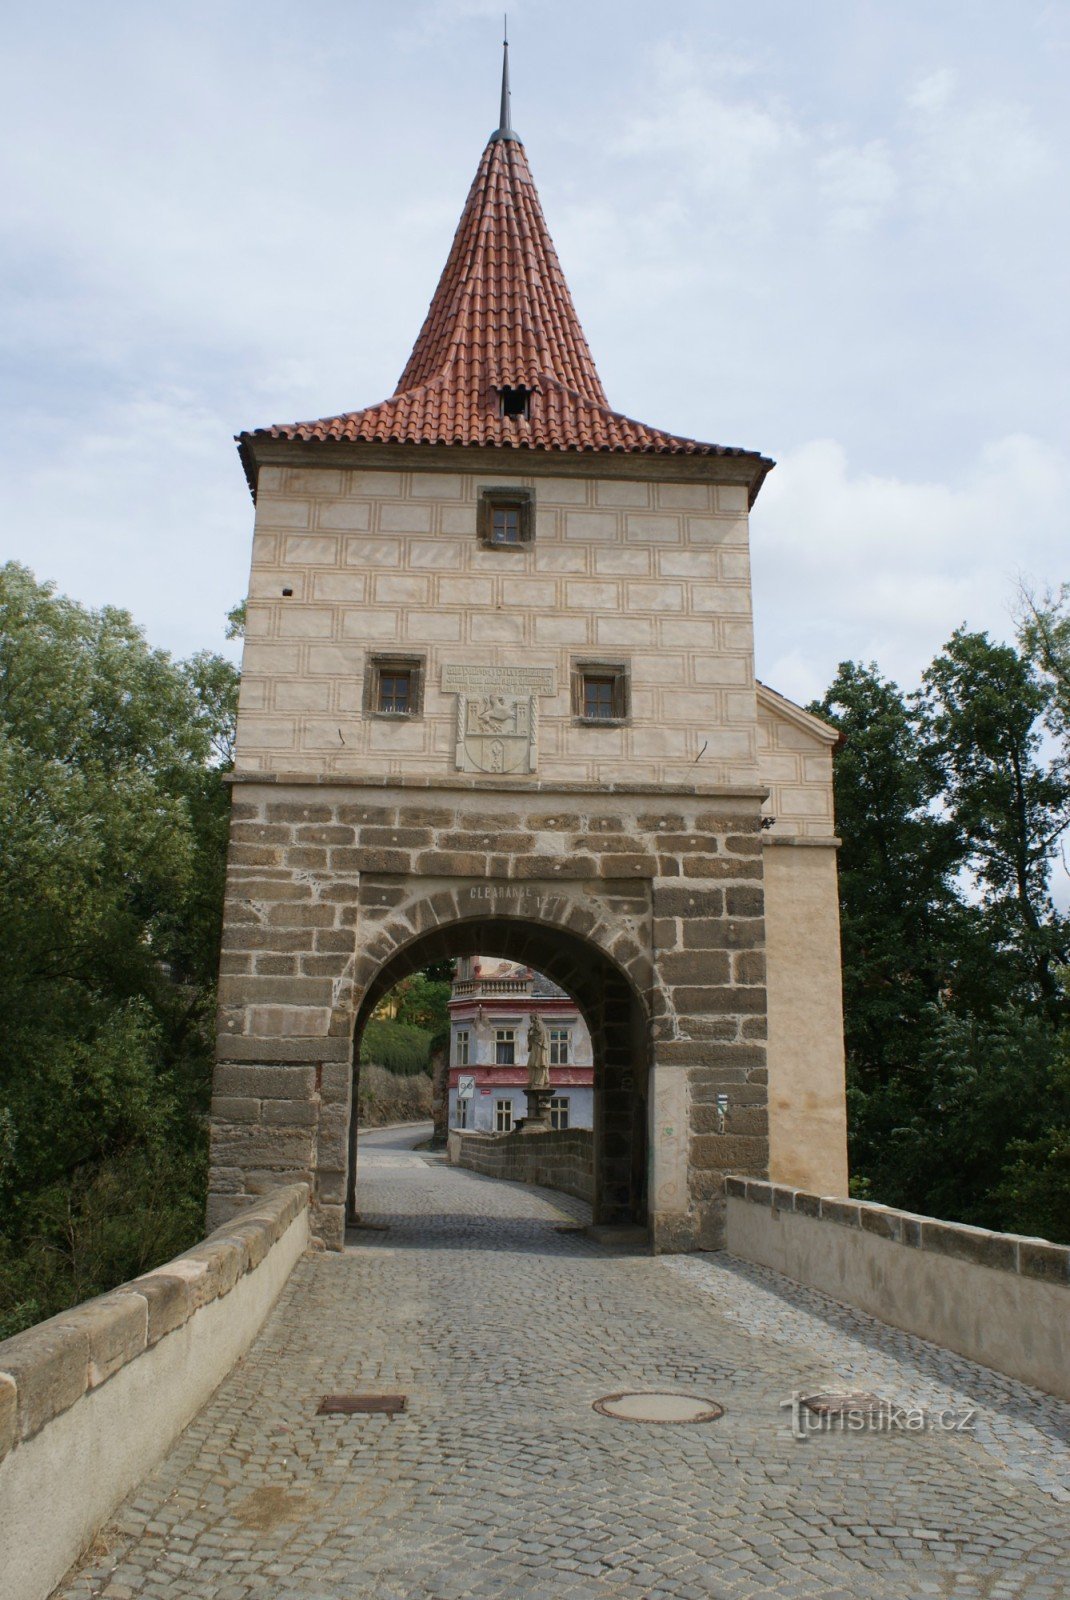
x: 503, y: 1116
x: 462, y: 1113
x: 559, y: 1046
x: 559, y: 1111
x: 462, y: 1037
x: 505, y: 1047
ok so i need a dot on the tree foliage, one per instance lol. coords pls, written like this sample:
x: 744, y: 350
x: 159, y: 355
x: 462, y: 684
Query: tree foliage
x: 398, y: 1046
x: 113, y: 816
x: 952, y: 808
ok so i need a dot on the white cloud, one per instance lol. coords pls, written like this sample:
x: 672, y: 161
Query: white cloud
x: 966, y: 150
x: 867, y: 566
x: 144, y: 507
x: 857, y: 183
x: 736, y: 145
x: 934, y: 91
x: 727, y: 142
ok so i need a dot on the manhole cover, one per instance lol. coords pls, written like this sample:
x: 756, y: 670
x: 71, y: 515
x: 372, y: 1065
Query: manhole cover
x: 348, y: 1405
x: 658, y: 1407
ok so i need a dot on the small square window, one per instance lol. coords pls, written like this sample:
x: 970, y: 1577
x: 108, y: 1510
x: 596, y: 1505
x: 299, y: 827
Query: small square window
x: 506, y: 519
x: 600, y: 692
x: 393, y: 687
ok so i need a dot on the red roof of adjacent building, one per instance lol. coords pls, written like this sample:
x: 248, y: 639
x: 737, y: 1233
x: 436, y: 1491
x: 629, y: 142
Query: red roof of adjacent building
x: 501, y: 317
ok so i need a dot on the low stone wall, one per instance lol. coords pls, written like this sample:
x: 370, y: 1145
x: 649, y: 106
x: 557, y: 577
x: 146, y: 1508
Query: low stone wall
x: 998, y: 1298
x: 91, y: 1400
x: 557, y: 1159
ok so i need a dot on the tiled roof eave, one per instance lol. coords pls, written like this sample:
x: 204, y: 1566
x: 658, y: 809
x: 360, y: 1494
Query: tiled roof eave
x: 664, y: 447
x: 501, y: 319
x: 633, y: 438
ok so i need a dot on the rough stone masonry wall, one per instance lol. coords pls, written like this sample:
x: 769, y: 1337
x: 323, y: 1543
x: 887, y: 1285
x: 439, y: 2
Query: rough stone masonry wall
x: 560, y: 1158
x: 327, y: 882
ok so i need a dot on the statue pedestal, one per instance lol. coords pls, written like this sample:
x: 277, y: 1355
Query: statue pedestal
x: 537, y: 1119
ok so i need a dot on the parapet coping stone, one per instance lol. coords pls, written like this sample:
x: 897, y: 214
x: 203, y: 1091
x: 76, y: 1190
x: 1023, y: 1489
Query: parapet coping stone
x: 46, y: 1369
x: 1005, y: 1252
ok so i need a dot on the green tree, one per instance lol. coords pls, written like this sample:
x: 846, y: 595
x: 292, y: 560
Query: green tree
x: 989, y: 1095
x: 397, y: 1046
x: 984, y: 710
x: 1044, y: 634
x: 900, y: 913
x: 423, y: 1002
x: 954, y: 995
x: 113, y: 820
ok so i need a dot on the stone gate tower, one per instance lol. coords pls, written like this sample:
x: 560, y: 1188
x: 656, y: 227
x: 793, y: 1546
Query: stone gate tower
x: 498, y: 697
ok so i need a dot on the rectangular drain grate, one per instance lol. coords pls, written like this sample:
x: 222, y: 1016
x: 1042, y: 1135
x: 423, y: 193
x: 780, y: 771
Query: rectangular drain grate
x: 348, y: 1405
x: 845, y: 1404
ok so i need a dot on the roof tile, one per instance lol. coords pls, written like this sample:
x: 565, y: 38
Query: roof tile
x: 502, y: 316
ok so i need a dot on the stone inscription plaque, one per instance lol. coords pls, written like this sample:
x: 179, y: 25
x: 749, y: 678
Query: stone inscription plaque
x: 497, y: 716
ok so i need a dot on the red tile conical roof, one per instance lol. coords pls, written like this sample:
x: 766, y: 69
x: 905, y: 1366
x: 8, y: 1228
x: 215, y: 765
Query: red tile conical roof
x: 502, y: 313
x: 501, y: 317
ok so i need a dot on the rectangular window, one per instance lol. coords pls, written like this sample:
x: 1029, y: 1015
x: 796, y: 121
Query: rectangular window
x: 559, y: 1111
x: 559, y: 1041
x: 462, y: 1048
x: 503, y: 1116
x: 505, y: 1047
x: 461, y: 1120
x: 506, y: 518
x: 393, y: 687
x: 505, y: 524
x: 600, y: 692
x: 395, y: 693
x: 598, y: 698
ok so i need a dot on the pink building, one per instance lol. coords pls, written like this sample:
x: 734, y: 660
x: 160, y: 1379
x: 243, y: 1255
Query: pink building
x: 490, y: 1012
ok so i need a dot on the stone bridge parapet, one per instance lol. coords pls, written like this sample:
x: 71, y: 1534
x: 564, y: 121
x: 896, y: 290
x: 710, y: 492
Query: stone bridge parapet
x: 559, y: 1158
x: 92, y: 1399
x: 999, y: 1298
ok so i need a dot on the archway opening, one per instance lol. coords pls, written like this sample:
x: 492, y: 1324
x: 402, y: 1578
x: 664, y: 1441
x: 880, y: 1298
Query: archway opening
x: 614, y: 1016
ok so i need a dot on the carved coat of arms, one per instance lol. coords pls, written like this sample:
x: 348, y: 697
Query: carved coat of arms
x: 497, y: 716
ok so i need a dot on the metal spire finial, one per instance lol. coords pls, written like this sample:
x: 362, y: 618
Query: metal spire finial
x: 505, y: 116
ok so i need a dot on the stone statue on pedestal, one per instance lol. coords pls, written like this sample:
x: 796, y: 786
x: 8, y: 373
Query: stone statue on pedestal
x: 539, y: 1089
x: 538, y: 1055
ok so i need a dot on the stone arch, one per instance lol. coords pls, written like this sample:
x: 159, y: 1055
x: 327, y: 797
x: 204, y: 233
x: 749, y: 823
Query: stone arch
x: 604, y: 983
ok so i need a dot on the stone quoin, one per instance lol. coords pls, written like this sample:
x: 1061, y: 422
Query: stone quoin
x: 498, y: 698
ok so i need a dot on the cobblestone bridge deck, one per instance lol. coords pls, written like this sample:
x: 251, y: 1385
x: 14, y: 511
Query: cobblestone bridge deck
x: 500, y: 1480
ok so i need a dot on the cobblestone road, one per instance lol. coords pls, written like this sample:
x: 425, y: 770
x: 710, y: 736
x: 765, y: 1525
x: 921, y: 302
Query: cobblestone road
x: 501, y: 1481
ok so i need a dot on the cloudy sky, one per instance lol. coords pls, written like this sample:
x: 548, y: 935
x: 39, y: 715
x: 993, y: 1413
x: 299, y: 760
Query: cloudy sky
x: 836, y: 233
